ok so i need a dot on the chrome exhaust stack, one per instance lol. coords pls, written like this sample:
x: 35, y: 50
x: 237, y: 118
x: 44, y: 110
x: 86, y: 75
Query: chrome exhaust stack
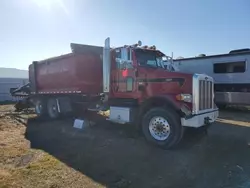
x: 106, y: 66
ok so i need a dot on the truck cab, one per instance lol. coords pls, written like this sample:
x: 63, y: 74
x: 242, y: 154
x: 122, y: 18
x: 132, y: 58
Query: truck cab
x: 160, y: 101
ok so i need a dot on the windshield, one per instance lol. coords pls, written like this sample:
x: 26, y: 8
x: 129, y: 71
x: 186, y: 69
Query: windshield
x: 154, y: 59
x: 149, y: 58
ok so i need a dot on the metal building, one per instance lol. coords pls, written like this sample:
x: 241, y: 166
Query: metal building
x: 6, y: 84
x: 231, y: 73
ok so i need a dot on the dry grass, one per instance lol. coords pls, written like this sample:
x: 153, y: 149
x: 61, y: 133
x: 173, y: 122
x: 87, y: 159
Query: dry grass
x: 233, y: 122
x: 21, y: 166
x: 53, y: 154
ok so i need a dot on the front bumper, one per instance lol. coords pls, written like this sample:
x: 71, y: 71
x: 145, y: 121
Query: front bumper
x: 200, y: 120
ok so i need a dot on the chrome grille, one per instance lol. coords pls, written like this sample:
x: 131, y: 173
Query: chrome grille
x: 205, y: 94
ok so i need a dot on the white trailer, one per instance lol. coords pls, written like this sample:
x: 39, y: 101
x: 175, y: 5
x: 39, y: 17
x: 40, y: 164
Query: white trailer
x: 230, y: 71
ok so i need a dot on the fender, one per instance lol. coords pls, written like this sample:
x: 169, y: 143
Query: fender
x: 167, y: 99
x: 160, y: 101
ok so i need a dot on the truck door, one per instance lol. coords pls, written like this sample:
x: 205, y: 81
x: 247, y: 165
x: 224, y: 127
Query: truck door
x: 124, y: 84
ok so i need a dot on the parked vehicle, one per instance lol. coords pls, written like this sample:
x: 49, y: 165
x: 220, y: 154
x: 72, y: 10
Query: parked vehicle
x: 230, y: 72
x: 131, y: 82
x: 8, y: 83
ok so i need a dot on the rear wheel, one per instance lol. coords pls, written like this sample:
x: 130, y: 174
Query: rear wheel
x: 52, y: 108
x: 162, y: 127
x: 40, y: 108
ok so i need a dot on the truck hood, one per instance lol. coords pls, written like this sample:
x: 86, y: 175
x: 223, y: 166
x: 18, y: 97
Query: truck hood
x: 173, y: 81
x: 167, y: 74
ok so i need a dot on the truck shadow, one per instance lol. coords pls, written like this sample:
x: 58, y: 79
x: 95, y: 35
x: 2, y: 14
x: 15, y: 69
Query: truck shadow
x: 116, y: 156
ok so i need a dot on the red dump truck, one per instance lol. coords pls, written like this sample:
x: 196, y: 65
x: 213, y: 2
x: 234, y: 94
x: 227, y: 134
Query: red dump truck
x: 131, y: 82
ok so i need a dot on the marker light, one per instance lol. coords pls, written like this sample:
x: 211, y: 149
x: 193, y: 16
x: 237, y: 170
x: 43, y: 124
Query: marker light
x: 153, y: 47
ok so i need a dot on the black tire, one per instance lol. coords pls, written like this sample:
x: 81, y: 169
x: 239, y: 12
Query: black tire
x: 41, y: 108
x: 175, y: 128
x: 52, y: 109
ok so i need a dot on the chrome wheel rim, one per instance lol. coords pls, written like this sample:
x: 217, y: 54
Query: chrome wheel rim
x: 39, y: 108
x: 159, y: 128
x: 52, y: 108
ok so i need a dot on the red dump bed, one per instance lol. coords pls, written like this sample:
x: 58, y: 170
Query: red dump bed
x: 71, y: 73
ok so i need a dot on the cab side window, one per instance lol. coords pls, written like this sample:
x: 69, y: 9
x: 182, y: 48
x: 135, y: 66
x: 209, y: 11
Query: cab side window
x: 123, y: 58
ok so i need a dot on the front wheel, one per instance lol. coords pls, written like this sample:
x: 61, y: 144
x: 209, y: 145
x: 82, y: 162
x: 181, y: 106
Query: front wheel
x: 162, y: 127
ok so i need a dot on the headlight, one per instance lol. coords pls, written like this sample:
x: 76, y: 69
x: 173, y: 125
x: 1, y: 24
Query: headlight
x: 184, y: 97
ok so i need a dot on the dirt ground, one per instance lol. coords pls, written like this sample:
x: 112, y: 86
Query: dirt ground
x: 54, y: 154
